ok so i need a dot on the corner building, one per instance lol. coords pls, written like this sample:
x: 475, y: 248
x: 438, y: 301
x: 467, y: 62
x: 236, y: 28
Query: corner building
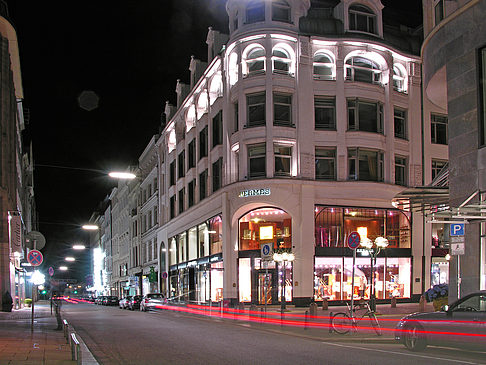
x: 302, y: 127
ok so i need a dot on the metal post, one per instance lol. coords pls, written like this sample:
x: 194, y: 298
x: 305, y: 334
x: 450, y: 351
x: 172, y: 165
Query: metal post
x: 458, y: 276
x: 33, y: 301
x: 372, y: 296
x: 352, y: 284
x: 282, y: 299
x: 266, y: 282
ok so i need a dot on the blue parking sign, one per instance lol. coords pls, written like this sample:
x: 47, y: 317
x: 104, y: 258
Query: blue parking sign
x: 457, y: 229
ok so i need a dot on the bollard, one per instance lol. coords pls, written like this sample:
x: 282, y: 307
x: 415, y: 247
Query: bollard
x: 65, y: 327
x: 330, y: 323
x: 422, y: 304
x: 306, y: 316
x: 325, y: 304
x: 58, y: 318
x: 313, y: 309
x: 393, y: 302
x: 75, y: 349
x: 252, y: 310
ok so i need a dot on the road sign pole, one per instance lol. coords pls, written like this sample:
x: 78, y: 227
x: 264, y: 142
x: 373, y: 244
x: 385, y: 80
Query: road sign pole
x: 352, y: 285
x: 458, y: 276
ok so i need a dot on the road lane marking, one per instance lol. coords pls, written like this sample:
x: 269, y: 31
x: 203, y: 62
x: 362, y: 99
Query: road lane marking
x: 400, y: 353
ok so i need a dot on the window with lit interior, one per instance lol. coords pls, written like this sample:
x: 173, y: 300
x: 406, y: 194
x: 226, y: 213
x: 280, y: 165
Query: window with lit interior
x: 362, y: 69
x: 362, y: 19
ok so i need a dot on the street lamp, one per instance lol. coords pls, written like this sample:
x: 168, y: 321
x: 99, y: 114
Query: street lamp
x: 283, y: 258
x: 90, y: 227
x: 122, y: 175
x: 374, y: 248
x: 79, y: 247
x: 70, y: 258
x: 63, y: 268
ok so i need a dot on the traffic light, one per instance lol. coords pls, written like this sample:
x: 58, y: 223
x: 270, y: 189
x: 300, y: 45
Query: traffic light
x: 44, y: 292
x: 75, y: 292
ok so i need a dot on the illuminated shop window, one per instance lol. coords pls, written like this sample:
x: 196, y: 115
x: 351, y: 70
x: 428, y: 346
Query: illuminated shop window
x: 324, y: 66
x: 265, y: 225
x: 216, y: 234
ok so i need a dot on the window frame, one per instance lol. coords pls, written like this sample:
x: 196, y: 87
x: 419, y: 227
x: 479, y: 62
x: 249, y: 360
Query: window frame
x: 203, y: 185
x: 401, y: 163
x: 437, y: 120
x: 375, y: 70
x: 217, y: 175
x: 323, y: 65
x: 191, y: 193
x: 181, y: 164
x: 435, y: 168
x: 250, y: 62
x: 439, y: 11
x: 325, y: 102
x: 255, y: 123
x: 357, y: 158
x: 280, y: 105
x: 260, y: 174
x: 281, y: 5
x: 277, y: 148
x: 203, y: 142
x: 318, y: 158
x: 357, y: 12
x: 397, y: 119
x: 356, y: 112
x: 191, y: 154
x: 258, y: 15
x: 217, y: 129
x: 172, y: 173
x: 279, y: 60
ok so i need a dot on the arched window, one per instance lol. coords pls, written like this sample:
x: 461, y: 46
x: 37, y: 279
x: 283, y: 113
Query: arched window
x: 399, y: 78
x: 362, y: 19
x: 362, y: 69
x: 255, y: 12
x: 202, y: 104
x: 281, y: 11
x: 281, y: 60
x: 233, y: 68
x: 323, y: 66
x: 215, y: 88
x: 255, y: 60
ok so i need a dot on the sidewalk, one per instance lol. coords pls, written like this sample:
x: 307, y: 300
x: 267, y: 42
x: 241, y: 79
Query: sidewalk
x: 21, y: 345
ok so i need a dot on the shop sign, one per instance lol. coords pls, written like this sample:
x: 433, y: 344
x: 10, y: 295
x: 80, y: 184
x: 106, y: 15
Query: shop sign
x: 15, y: 225
x: 254, y: 192
x: 362, y: 252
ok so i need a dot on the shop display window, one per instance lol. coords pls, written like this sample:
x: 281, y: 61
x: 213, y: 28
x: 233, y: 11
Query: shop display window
x: 265, y: 225
x: 439, y: 271
x: 181, y: 247
x: 202, y: 286
x: 192, y: 244
x: 332, y: 282
x: 203, y: 240
x: 217, y: 281
x: 244, y: 280
x: 334, y: 224
x: 172, y: 251
x: 216, y: 234
x: 285, y: 273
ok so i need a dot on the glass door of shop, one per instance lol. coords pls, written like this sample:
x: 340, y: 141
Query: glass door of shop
x: 266, y: 286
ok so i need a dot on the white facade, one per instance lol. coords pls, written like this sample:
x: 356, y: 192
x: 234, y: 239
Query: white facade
x: 298, y: 123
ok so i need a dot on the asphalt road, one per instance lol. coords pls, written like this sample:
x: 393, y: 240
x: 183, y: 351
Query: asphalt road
x: 116, y: 336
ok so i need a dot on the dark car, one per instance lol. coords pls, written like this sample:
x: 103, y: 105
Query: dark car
x: 123, y: 303
x: 134, y: 302
x: 99, y: 299
x: 110, y: 300
x: 151, y: 301
x: 462, y: 324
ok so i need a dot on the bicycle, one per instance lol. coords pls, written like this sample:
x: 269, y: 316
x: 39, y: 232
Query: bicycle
x: 343, y: 322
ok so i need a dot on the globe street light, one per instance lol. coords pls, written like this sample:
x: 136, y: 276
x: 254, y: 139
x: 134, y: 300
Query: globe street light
x: 283, y: 258
x: 374, y: 248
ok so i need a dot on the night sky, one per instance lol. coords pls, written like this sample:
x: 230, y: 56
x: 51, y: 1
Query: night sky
x: 130, y: 53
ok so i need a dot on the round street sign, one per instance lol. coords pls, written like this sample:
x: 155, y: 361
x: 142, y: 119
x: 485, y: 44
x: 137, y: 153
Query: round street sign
x: 35, y: 258
x: 51, y: 271
x: 353, y: 240
x: 164, y: 275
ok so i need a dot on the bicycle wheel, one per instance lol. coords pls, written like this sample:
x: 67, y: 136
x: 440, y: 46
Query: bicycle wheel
x: 375, y: 323
x: 341, y: 323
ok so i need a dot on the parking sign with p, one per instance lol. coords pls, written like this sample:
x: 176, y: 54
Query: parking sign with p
x: 457, y: 229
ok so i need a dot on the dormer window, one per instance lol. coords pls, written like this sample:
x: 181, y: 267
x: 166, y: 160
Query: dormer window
x: 323, y: 66
x: 362, y: 19
x: 281, y: 11
x: 362, y: 69
x: 255, y: 61
x: 255, y: 12
x: 281, y: 61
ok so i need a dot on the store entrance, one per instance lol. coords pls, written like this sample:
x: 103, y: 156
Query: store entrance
x: 266, y: 290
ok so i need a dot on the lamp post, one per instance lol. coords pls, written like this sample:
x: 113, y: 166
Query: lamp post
x: 374, y: 248
x: 283, y: 258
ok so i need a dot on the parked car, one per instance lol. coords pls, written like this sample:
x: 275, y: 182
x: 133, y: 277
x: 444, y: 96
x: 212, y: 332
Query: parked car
x: 99, y: 299
x: 462, y: 324
x: 123, y: 303
x: 110, y: 300
x: 134, y: 302
x: 151, y: 300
